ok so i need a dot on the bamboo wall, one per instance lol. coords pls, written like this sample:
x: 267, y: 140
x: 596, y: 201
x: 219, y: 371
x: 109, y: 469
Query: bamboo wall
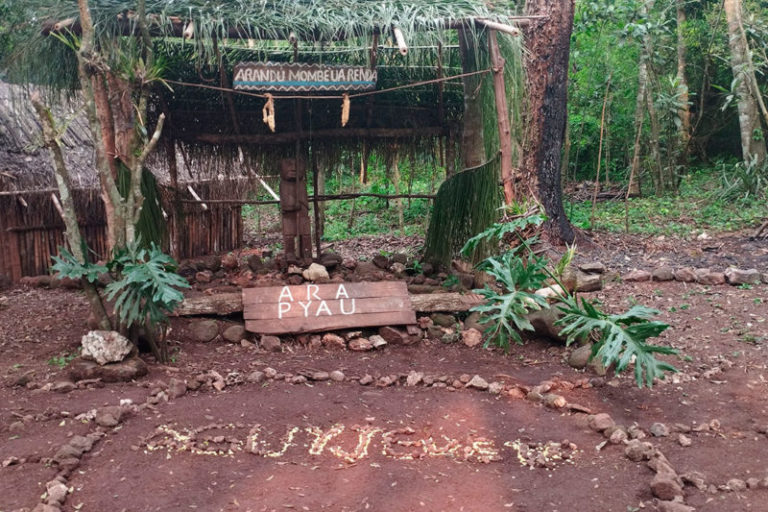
x: 31, y: 229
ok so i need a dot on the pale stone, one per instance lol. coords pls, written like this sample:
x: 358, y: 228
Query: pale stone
x: 315, y: 272
x: 105, y: 347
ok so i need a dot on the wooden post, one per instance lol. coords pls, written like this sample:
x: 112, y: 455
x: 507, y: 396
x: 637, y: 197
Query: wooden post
x: 502, y: 115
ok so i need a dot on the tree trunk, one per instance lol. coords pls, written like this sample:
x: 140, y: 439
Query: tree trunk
x: 684, y: 113
x: 633, y: 188
x: 548, y: 43
x: 74, y: 237
x: 472, y: 139
x: 752, y: 135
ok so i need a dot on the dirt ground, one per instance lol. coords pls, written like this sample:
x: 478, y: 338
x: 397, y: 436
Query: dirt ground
x: 282, y: 443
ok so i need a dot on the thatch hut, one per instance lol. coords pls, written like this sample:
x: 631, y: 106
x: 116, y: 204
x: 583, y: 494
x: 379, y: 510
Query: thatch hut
x: 436, y: 66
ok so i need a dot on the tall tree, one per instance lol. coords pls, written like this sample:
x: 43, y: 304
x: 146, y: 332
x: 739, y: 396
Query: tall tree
x: 752, y: 134
x: 548, y: 44
x: 684, y: 112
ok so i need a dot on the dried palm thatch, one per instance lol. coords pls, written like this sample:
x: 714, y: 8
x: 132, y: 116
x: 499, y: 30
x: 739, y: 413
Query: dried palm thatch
x: 24, y: 164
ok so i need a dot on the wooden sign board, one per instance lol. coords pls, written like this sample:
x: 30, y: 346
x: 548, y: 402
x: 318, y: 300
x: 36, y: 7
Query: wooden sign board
x: 326, y: 307
x: 281, y: 77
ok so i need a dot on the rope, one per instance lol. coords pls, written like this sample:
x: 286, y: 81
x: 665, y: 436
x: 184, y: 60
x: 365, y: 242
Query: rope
x: 332, y: 97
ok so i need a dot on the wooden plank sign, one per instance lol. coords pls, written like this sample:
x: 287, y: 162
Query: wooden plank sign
x: 326, y: 307
x: 283, y: 77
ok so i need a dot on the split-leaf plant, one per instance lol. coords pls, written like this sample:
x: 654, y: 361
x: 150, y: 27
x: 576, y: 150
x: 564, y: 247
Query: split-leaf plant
x: 622, y: 339
x: 145, y: 289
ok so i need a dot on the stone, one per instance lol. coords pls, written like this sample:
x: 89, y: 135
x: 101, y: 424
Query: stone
x: 551, y: 292
x: 706, y: 276
x: 271, y: 344
x: 337, y: 376
x: 109, y: 416
x: 695, y: 479
x: 674, y: 506
x: 736, y: 485
x: 593, y: 267
x: 255, y: 377
x: 600, y: 422
x: 753, y: 483
x: 400, y: 257
x: 320, y: 376
x: 684, y: 441
x: 397, y: 336
x: 398, y: 269
x: 234, y: 333
x: 124, y: 371
x: 554, y: 401
x: 477, y: 382
x: 56, y: 492
x: 495, y: 388
x: 665, y: 487
x: 316, y: 272
x: 81, y: 443
x: 663, y: 273
x: 177, y: 388
x: 63, y: 386
x: 229, y: 262
x: 618, y: 436
x: 636, y: 276
x: 381, y: 261
x: 270, y: 373
x: 334, y: 342
x: 377, y: 341
x: 211, y: 262
x: 450, y: 337
x: 637, y: 450
x: 444, y: 320
x: 44, y: 507
x: 466, y: 280
x: 414, y: 378
x: 473, y: 322
x: 105, y: 347
x: 597, y: 366
x: 588, y: 282
x: 299, y: 379
x: 543, y: 322
x: 204, y: 277
x: 737, y: 276
x: 366, y: 380
x: 330, y: 260
x: 349, y: 263
x: 580, y: 357
x: 659, y: 430
x: 472, y: 337
x: 685, y: 275
x: 204, y: 331
x: 360, y: 345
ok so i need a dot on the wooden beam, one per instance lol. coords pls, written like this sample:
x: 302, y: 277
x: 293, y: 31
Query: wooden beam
x: 502, y: 116
x: 338, y: 133
x: 501, y: 27
x: 229, y: 303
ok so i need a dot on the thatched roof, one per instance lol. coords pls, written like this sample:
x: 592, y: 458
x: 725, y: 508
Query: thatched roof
x: 224, y: 32
x: 24, y: 164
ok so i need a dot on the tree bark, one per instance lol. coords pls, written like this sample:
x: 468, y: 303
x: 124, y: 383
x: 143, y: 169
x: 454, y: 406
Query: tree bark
x: 752, y: 135
x: 548, y: 44
x: 684, y: 113
x: 72, y: 232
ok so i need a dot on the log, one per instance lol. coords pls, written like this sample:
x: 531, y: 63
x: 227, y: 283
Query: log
x: 230, y: 303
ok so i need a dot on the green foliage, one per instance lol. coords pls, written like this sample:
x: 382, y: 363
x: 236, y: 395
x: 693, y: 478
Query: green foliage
x: 147, y: 288
x: 698, y: 207
x: 66, y: 265
x: 623, y: 337
x: 496, y: 232
x: 62, y: 360
x: 506, y: 311
x: 744, y: 180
